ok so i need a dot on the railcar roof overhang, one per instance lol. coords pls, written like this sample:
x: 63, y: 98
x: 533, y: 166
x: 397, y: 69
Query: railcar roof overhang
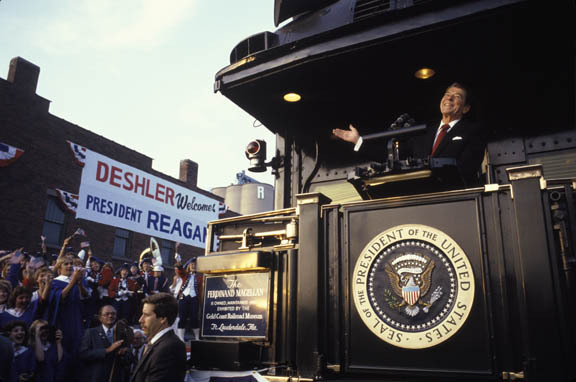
x: 517, y: 56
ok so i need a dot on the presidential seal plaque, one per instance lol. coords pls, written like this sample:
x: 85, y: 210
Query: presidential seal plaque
x: 413, y: 286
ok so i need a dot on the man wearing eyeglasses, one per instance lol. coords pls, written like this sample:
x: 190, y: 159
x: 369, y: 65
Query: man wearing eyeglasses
x: 101, y: 354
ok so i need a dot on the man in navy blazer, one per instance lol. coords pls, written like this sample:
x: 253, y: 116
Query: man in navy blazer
x: 164, y: 358
x: 101, y: 354
x: 463, y: 140
x: 452, y: 138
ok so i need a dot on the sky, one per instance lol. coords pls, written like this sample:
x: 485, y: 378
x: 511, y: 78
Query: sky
x: 141, y: 73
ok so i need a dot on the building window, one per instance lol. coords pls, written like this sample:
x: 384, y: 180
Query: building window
x: 167, y: 251
x: 260, y: 192
x: 121, y: 238
x: 53, y: 223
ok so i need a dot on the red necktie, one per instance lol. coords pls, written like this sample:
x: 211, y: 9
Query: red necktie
x: 441, y: 134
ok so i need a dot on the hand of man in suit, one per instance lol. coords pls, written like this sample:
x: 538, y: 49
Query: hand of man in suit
x: 114, y: 346
x: 351, y: 135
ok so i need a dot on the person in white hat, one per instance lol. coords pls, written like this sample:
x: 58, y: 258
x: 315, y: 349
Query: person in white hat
x: 159, y: 283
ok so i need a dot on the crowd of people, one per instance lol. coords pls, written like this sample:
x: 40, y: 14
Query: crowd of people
x: 72, y: 316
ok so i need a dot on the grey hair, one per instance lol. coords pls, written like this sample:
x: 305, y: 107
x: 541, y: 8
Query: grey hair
x: 140, y: 331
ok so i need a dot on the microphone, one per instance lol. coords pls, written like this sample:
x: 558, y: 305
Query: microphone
x: 402, y: 121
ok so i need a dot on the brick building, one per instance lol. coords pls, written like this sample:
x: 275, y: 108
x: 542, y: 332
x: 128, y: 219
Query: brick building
x: 29, y: 202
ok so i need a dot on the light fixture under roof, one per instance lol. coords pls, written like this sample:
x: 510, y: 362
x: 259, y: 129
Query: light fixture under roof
x: 292, y: 97
x: 424, y: 73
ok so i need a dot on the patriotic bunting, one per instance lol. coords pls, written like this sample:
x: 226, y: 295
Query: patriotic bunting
x: 222, y: 208
x: 9, y: 154
x: 70, y: 200
x: 79, y: 152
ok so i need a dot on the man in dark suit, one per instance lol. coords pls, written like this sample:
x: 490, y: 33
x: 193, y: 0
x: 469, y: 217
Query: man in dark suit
x: 101, y: 354
x: 453, y: 138
x: 138, y: 346
x: 165, y: 356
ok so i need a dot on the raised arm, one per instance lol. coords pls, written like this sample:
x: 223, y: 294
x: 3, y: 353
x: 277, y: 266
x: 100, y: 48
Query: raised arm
x: 64, y: 245
x: 77, y: 275
x: 15, y: 266
x: 38, y: 348
x: 350, y: 135
x: 43, y: 238
x: 44, y: 289
x: 58, y: 338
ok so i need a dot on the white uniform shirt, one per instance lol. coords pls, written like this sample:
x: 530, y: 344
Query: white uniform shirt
x: 190, y: 289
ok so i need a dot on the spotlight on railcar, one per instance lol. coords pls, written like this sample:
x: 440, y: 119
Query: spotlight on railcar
x: 256, y: 153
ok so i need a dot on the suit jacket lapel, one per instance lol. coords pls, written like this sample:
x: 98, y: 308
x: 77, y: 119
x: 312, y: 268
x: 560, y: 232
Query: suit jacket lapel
x: 102, y: 334
x: 448, y: 137
x: 143, y: 359
x: 147, y: 353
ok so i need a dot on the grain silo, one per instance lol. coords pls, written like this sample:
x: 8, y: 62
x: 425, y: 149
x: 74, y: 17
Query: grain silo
x: 248, y: 196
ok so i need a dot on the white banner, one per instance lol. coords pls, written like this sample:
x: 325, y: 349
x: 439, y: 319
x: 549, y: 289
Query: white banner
x: 122, y: 196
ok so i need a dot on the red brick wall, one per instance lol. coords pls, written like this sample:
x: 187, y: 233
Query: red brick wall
x: 48, y: 164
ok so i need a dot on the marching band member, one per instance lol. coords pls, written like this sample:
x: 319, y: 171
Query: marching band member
x: 93, y: 279
x: 146, y: 273
x: 158, y: 283
x: 107, y: 276
x: 139, y: 295
x: 186, y: 289
x: 122, y: 290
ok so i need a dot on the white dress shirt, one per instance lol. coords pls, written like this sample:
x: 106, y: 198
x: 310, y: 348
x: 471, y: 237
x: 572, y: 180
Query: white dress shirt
x: 158, y: 335
x: 452, y: 123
